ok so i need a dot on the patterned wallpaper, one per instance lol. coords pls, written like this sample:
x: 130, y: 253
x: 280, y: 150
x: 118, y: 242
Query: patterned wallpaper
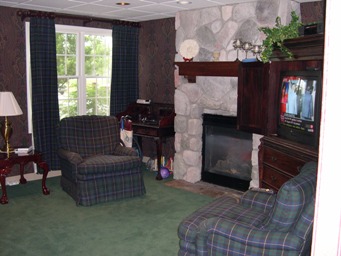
x: 13, y: 71
x: 156, y: 69
x: 156, y: 58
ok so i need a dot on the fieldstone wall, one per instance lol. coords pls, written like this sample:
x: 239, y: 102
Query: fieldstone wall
x: 215, y: 29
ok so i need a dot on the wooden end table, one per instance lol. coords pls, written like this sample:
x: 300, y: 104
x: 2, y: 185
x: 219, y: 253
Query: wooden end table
x: 8, y: 160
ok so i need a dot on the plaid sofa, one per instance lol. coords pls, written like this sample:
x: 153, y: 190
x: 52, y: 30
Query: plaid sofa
x: 260, y: 223
x: 95, y: 167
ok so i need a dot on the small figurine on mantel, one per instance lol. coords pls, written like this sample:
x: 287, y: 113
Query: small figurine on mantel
x: 216, y: 55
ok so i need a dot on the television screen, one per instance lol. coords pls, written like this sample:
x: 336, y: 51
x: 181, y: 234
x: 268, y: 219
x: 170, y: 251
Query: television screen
x: 299, y: 110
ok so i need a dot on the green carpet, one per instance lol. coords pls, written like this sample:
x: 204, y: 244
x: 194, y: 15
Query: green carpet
x: 34, y: 224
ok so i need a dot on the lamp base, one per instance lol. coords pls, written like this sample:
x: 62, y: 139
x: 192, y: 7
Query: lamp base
x: 6, y: 149
x: 6, y: 133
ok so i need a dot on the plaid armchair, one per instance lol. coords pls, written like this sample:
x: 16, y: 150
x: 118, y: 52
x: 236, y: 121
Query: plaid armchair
x: 261, y: 223
x: 95, y: 167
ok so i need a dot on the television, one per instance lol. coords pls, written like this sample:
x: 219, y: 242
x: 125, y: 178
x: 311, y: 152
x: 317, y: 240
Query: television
x: 300, y: 106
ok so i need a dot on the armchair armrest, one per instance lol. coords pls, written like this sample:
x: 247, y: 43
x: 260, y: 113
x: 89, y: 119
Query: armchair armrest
x: 72, y: 157
x: 124, y: 151
x: 230, y: 235
x: 260, y: 199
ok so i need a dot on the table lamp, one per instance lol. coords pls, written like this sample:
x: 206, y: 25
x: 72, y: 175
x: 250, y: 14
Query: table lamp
x: 8, y: 107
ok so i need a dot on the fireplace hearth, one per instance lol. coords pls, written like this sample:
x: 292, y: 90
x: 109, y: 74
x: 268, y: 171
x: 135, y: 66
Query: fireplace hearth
x: 226, y: 153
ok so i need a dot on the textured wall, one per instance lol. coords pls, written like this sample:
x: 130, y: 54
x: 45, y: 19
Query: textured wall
x: 13, y: 70
x: 13, y: 76
x: 156, y: 58
x: 156, y: 71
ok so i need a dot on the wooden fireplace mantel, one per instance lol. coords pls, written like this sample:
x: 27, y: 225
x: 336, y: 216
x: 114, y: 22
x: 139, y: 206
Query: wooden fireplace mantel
x: 309, y: 47
x: 191, y: 70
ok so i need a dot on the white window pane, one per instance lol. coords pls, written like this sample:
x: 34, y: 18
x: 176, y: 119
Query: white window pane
x: 84, y: 70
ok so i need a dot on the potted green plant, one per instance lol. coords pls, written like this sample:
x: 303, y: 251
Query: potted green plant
x: 276, y: 35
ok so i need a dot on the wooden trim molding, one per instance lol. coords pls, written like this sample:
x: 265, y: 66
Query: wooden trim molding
x: 309, y: 47
x: 191, y: 70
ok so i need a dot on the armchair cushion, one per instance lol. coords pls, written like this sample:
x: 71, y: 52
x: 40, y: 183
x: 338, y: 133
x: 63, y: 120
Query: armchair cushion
x: 102, y: 164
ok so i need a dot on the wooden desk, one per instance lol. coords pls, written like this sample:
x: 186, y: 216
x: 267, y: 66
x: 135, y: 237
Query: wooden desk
x: 159, y: 133
x: 155, y: 120
x: 6, y: 163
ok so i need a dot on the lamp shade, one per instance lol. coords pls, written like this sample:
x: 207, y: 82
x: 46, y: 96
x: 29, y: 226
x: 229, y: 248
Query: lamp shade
x: 9, y: 105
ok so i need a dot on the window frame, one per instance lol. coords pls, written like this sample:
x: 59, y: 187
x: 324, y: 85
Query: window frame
x: 80, y: 56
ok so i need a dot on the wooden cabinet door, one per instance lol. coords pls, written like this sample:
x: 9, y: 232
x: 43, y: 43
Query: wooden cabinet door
x: 252, y: 111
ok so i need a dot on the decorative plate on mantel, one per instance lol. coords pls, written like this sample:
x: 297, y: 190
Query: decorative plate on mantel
x: 189, y: 49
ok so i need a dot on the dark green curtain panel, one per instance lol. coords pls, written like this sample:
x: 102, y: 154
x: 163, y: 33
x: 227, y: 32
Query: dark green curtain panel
x: 124, y: 81
x: 45, y: 109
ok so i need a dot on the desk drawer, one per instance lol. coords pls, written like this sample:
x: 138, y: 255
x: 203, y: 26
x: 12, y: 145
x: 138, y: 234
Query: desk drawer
x: 273, y: 178
x: 282, y: 161
x: 145, y: 131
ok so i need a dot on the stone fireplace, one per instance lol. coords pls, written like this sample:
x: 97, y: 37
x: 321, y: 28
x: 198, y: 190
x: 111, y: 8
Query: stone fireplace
x: 215, y: 29
x: 226, y: 152
x: 211, y: 95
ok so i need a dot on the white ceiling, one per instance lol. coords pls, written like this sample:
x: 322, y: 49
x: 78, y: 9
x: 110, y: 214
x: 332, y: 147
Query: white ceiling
x: 138, y: 10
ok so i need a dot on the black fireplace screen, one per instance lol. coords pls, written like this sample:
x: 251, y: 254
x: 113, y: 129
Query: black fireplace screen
x: 226, y: 152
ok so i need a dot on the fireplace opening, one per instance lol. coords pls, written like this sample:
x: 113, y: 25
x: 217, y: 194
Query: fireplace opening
x: 226, y: 153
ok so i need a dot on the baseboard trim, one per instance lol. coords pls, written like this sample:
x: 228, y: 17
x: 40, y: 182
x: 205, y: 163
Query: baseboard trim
x: 14, y: 180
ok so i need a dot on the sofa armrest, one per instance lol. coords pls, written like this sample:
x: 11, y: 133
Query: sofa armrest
x: 72, y: 157
x: 260, y: 199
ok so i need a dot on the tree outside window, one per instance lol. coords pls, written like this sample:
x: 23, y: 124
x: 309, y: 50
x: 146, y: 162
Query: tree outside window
x: 84, y: 71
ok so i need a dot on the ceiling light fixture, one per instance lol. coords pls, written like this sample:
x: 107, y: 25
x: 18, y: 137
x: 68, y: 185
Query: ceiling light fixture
x: 122, y: 3
x: 183, y: 2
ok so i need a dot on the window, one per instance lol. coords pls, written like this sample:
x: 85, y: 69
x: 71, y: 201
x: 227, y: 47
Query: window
x: 84, y: 70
